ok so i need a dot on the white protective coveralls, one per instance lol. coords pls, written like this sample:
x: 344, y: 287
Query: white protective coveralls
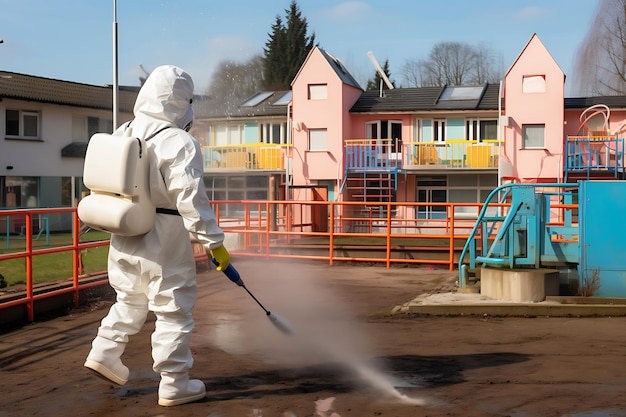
x: 157, y: 271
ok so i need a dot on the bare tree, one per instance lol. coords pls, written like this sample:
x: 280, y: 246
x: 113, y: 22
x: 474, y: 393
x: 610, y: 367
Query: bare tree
x: 232, y: 82
x: 600, y: 65
x: 452, y: 63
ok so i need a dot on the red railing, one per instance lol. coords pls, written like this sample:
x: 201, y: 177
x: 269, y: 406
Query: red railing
x: 329, y: 231
x: 30, y: 252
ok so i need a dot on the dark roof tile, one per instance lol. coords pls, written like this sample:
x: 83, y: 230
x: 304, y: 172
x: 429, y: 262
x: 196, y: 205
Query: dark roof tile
x: 423, y: 99
x: 47, y: 90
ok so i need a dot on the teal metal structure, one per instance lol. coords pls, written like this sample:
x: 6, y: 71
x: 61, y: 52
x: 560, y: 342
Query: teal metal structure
x: 561, y: 225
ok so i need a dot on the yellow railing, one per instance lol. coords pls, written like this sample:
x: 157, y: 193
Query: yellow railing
x: 364, y: 153
x: 258, y: 156
x: 453, y: 153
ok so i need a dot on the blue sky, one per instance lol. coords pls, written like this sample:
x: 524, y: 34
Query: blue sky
x: 72, y: 39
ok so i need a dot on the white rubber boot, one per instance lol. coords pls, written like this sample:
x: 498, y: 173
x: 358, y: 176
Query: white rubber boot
x: 176, y: 388
x: 104, y: 361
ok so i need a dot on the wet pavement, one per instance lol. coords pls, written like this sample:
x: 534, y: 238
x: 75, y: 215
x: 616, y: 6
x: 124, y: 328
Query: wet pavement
x: 350, y: 356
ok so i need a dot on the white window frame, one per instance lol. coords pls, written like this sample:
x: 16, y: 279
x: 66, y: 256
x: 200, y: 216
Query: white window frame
x: 474, y: 128
x: 430, y: 186
x: 269, y: 129
x: 538, y: 133
x: 417, y: 130
x: 372, y: 130
x: 439, y: 130
x: 318, y: 140
x: 22, y: 117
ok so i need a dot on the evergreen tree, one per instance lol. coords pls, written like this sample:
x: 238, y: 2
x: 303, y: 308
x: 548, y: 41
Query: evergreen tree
x: 286, y: 49
x: 375, y: 83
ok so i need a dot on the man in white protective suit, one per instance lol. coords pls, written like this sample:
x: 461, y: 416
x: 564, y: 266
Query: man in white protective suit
x: 157, y: 271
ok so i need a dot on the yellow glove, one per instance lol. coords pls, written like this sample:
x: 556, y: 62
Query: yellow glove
x: 221, y: 257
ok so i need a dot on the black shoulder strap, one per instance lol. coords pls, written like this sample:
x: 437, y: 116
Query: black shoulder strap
x: 152, y: 135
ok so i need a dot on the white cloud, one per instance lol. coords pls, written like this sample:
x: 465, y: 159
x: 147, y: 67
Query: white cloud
x: 348, y: 10
x: 531, y: 13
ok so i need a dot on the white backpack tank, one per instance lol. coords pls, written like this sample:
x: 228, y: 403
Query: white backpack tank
x: 116, y: 172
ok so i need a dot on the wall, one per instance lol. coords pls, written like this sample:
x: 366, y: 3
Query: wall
x: 330, y: 114
x: 546, y: 107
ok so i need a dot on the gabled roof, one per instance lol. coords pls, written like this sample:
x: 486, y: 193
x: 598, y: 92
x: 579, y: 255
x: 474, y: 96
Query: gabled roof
x: 340, y: 70
x: 426, y: 99
x: 47, y: 90
x: 335, y: 64
x: 533, y: 38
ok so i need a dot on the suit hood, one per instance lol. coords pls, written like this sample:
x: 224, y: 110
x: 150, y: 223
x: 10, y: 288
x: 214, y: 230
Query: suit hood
x: 164, y: 100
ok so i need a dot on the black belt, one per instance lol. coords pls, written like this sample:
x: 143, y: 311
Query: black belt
x: 168, y: 211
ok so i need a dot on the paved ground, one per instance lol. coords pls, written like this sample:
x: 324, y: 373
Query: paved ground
x: 346, y: 358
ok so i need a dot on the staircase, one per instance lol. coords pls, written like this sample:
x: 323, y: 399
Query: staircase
x: 372, y: 187
x: 538, y: 229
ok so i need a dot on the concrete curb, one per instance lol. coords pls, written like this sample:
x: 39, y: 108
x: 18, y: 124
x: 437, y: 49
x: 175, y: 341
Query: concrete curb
x: 519, y: 310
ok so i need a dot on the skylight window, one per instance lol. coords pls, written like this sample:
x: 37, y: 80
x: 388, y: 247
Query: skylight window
x: 257, y: 99
x: 461, y: 93
x: 285, y: 99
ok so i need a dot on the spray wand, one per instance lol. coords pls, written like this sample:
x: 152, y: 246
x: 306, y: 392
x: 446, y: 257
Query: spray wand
x: 233, y: 275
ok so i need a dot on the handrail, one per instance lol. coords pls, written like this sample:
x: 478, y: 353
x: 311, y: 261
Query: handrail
x: 472, y: 235
x: 319, y: 230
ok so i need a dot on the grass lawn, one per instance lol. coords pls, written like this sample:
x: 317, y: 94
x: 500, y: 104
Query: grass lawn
x: 54, y: 266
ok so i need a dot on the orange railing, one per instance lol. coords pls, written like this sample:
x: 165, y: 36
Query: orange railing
x: 26, y: 218
x: 349, y: 231
x: 388, y: 233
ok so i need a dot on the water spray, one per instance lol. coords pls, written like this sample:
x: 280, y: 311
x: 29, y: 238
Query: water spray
x: 233, y: 275
x: 375, y: 378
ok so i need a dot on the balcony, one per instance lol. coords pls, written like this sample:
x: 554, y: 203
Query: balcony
x: 376, y: 154
x: 589, y: 157
x: 363, y: 155
x: 372, y: 154
x: 253, y: 157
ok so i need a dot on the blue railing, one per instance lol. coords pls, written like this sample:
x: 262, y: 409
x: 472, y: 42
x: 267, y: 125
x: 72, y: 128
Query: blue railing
x: 588, y: 155
x: 373, y: 154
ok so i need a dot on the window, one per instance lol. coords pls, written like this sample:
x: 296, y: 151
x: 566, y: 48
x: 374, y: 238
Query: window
x: 480, y: 130
x: 83, y: 128
x: 284, y: 100
x: 22, y: 124
x: 431, y: 190
x: 274, y: 133
x: 534, y: 84
x: 533, y: 136
x: 98, y: 125
x: 417, y: 133
x: 461, y: 93
x: 488, y: 129
x: 257, y: 99
x: 228, y: 135
x: 371, y: 130
x: 20, y: 192
x: 318, y: 140
x: 318, y: 92
x: 386, y: 129
x: 236, y: 188
x: 470, y: 189
x: 439, y: 130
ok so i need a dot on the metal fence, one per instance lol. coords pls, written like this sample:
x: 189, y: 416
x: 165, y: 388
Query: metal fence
x: 326, y: 231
